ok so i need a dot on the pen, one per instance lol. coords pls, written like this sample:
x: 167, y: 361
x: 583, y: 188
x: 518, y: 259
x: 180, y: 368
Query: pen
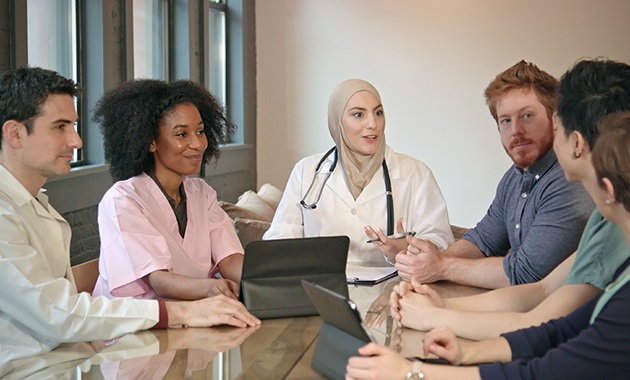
x: 394, y: 236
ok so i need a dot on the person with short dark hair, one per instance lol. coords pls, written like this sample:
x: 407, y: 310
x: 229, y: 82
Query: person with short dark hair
x: 40, y: 307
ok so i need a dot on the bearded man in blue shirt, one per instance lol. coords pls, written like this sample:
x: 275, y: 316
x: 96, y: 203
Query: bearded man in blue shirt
x: 536, y: 218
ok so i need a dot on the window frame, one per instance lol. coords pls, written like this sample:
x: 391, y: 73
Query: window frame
x: 19, y: 18
x: 235, y: 172
x: 19, y: 15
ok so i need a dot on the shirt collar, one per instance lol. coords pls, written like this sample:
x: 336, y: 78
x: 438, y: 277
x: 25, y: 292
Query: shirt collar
x: 540, y: 167
x: 16, y: 191
x: 171, y: 201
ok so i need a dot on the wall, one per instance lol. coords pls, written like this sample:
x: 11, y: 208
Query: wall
x: 431, y: 60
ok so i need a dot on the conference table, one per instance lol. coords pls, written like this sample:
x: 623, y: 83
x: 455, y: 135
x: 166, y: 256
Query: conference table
x: 279, y: 348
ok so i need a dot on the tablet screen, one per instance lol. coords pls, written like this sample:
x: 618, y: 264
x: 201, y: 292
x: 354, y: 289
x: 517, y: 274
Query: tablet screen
x: 336, y: 310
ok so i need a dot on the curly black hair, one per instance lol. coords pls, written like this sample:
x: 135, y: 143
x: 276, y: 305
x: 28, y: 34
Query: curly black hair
x: 130, y: 115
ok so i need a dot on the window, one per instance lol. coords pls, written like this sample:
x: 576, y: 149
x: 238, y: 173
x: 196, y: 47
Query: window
x: 52, y: 40
x: 216, y: 62
x: 150, y: 39
x: 52, y: 36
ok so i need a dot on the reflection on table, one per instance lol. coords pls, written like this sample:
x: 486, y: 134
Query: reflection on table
x: 278, y: 349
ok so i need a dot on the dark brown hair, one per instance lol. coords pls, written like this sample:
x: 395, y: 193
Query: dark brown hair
x: 24, y: 91
x: 611, y: 155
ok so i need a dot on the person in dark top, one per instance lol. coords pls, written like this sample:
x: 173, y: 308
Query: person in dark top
x: 593, y: 341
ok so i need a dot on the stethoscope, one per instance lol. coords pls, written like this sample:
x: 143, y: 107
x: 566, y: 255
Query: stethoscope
x: 388, y: 188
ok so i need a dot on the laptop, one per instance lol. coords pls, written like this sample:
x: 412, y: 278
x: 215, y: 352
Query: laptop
x: 341, y: 334
x: 273, y: 270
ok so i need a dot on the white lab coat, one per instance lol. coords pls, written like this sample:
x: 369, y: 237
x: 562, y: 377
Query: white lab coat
x: 417, y: 199
x: 39, y: 304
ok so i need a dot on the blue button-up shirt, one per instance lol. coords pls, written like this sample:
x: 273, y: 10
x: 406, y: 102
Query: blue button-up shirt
x: 537, y: 214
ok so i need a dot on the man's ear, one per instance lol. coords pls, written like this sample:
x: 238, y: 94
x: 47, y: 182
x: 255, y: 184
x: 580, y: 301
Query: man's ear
x: 609, y: 188
x: 13, y: 133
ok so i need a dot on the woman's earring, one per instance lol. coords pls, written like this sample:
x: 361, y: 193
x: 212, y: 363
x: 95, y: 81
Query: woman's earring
x: 576, y: 155
x: 608, y: 201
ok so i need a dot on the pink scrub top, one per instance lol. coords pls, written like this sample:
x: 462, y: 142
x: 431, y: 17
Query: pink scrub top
x: 139, y: 235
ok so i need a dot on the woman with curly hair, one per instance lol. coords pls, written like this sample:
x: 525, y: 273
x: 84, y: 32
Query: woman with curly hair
x: 163, y: 235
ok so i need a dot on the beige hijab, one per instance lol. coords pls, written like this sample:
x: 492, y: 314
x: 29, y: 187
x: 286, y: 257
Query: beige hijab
x: 359, y: 169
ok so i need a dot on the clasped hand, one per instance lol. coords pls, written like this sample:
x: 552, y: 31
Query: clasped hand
x: 421, y: 260
x: 413, y: 303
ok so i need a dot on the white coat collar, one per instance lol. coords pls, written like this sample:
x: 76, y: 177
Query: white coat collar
x: 14, y: 188
x: 21, y: 196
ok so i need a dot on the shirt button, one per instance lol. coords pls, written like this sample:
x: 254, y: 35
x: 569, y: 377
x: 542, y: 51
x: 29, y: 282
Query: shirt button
x: 353, y: 211
x: 537, y: 176
x: 524, y: 195
x: 518, y: 225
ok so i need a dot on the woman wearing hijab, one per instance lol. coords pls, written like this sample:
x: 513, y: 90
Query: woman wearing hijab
x: 345, y: 191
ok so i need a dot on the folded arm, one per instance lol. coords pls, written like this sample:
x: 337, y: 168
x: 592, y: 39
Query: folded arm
x: 486, y: 325
x: 175, y: 286
x: 518, y: 298
x: 40, y: 299
x: 231, y: 267
x: 463, y: 263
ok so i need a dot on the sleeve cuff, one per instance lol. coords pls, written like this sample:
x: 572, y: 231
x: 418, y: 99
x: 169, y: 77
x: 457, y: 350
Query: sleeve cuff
x: 163, y: 318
